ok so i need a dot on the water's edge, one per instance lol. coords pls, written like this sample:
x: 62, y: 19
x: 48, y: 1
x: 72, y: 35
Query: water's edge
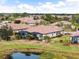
x: 34, y: 50
x: 8, y: 52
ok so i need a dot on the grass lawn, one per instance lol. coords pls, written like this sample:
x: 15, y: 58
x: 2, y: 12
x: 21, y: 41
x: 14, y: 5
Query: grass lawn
x: 18, y: 44
x: 21, y: 44
x: 53, y: 46
x: 56, y: 46
x: 61, y: 47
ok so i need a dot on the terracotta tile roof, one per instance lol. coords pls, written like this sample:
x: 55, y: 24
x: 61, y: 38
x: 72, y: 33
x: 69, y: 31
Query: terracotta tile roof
x: 75, y: 33
x: 39, y: 29
x: 28, y: 20
x: 44, y: 29
x: 19, y: 26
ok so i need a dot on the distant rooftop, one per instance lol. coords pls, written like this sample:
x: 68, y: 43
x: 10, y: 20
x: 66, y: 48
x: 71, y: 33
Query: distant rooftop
x: 75, y: 33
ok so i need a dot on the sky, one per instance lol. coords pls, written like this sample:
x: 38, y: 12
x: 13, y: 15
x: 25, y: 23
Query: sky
x: 39, y: 6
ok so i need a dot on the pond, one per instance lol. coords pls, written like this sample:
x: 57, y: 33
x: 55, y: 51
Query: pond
x: 45, y: 55
x: 20, y: 55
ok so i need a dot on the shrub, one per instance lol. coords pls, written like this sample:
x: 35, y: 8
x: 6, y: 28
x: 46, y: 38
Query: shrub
x: 47, y: 38
x: 61, y: 41
x: 17, y: 21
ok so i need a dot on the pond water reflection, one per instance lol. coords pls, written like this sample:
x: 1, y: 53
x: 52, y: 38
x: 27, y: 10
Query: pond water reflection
x: 20, y: 55
x: 45, y: 55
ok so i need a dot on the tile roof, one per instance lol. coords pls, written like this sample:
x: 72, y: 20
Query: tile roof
x: 40, y: 28
x: 28, y: 20
x: 75, y: 33
x: 19, y: 26
x: 44, y: 29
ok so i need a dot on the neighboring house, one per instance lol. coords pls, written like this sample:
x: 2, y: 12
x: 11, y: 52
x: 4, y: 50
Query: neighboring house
x: 42, y: 30
x: 28, y: 20
x: 75, y: 37
x: 18, y: 27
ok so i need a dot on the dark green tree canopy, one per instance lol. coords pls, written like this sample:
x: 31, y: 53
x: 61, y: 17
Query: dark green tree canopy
x: 6, y: 32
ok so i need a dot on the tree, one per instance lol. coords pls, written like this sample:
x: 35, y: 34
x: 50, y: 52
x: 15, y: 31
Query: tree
x: 47, y: 39
x: 75, y: 20
x: 66, y: 18
x: 3, y: 18
x: 49, y: 18
x: 56, y: 17
x: 36, y: 18
x: 25, y: 14
x: 16, y: 15
x: 9, y: 18
x: 31, y: 36
x: 6, y: 32
x: 18, y: 36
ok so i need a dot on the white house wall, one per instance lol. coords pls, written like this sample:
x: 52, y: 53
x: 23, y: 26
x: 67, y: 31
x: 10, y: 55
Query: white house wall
x: 78, y: 41
x: 54, y: 34
x: 50, y: 35
x: 58, y: 33
x: 38, y: 35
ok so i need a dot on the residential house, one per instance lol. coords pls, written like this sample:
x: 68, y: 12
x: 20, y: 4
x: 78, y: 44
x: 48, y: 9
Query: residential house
x: 75, y: 37
x: 19, y: 28
x: 28, y: 20
x: 41, y: 30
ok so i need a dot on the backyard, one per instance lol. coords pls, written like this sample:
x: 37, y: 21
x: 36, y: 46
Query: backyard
x: 56, y: 46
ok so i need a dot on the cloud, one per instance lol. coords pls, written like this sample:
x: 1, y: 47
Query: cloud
x: 3, y: 1
x: 65, y: 6
x: 6, y: 9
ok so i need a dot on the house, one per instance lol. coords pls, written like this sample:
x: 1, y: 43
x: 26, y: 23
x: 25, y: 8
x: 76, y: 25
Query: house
x: 20, y: 29
x: 41, y: 30
x: 17, y: 27
x: 75, y: 37
x: 28, y: 20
